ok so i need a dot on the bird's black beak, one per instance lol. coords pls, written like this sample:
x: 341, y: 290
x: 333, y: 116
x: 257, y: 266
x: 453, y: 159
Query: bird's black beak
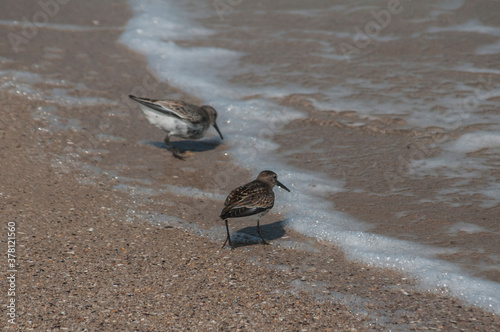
x: 217, y: 128
x: 282, y: 185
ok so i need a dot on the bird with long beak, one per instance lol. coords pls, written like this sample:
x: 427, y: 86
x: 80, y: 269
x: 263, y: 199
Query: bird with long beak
x: 254, y: 199
x: 178, y: 118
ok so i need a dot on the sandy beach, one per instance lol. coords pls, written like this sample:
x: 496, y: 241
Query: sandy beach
x: 83, y: 262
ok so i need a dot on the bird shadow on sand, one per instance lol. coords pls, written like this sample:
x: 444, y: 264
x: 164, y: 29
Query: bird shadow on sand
x: 188, y: 145
x: 248, y: 236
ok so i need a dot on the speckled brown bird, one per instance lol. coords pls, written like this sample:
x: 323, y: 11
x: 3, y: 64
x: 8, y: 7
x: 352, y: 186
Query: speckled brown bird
x: 255, y: 198
x: 178, y: 118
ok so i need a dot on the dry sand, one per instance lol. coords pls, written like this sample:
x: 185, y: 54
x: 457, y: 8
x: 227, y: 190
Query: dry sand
x: 83, y: 266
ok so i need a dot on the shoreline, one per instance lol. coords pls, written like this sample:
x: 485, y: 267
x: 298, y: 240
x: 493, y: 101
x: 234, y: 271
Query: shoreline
x: 82, y: 264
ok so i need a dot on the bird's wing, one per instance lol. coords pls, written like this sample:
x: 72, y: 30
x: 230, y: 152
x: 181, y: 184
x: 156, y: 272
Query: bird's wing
x: 179, y: 109
x: 183, y: 110
x: 248, y: 200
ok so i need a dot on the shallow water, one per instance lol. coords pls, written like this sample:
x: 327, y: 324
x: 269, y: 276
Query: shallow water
x: 382, y: 121
x: 425, y: 70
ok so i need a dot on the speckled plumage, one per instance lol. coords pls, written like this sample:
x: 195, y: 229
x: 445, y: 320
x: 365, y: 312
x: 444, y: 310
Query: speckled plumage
x: 255, y: 198
x: 178, y: 118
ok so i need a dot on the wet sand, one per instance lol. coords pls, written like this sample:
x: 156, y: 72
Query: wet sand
x: 381, y: 174
x: 374, y: 154
x: 84, y: 265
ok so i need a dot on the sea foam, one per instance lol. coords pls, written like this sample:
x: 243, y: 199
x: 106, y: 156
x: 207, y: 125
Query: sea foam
x: 249, y: 125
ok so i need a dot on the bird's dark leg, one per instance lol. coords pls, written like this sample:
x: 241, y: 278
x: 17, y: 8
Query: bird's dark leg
x: 175, y: 151
x: 258, y: 231
x: 228, y: 238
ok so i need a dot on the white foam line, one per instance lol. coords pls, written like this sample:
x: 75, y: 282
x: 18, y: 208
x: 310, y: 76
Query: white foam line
x: 476, y: 141
x: 56, y: 26
x: 23, y: 83
x: 469, y: 67
x: 469, y: 26
x: 249, y: 125
x: 414, y: 259
x: 489, y: 49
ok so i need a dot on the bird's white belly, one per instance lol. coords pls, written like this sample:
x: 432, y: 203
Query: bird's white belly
x: 170, y: 124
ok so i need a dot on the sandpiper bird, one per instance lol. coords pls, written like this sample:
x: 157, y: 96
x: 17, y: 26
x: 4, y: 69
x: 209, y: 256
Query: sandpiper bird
x: 178, y: 118
x: 255, y: 198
